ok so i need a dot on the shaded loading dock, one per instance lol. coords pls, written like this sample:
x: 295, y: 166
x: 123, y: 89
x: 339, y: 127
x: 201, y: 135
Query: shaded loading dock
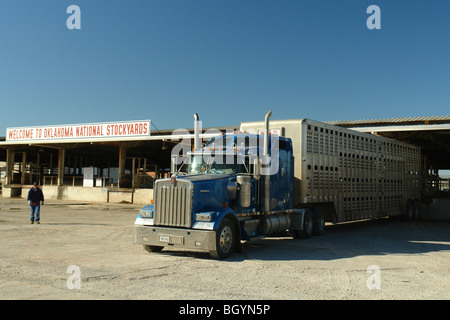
x: 117, y: 167
x: 118, y: 164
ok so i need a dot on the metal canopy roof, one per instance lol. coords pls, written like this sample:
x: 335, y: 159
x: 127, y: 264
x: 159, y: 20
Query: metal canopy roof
x: 389, y: 121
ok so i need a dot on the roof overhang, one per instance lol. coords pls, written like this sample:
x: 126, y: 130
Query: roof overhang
x: 400, y: 128
x: 173, y: 137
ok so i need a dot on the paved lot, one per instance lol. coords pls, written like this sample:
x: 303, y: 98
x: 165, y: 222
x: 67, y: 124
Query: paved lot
x: 94, y: 241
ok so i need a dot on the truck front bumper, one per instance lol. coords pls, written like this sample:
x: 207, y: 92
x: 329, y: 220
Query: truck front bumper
x: 175, y: 237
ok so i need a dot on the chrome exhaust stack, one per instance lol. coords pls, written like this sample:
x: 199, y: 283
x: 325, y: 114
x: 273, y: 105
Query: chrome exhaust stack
x: 266, y: 134
x: 197, y: 142
x: 265, y: 166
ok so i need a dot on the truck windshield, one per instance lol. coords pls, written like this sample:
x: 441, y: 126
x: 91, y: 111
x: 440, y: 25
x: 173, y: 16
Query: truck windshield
x: 218, y: 164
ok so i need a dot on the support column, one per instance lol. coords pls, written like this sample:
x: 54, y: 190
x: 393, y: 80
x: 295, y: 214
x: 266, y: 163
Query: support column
x: 24, y: 164
x: 122, y: 159
x: 38, y: 164
x: 61, y: 156
x: 9, y: 165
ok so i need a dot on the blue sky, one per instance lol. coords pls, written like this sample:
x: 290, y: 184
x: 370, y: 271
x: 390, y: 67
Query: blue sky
x: 227, y: 60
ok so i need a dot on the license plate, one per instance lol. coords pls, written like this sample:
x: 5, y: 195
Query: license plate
x: 164, y: 238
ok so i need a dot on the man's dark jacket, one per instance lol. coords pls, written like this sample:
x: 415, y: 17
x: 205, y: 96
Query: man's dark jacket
x: 35, y: 196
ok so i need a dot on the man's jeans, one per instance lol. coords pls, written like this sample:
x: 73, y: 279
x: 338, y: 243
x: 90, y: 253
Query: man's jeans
x: 35, y: 211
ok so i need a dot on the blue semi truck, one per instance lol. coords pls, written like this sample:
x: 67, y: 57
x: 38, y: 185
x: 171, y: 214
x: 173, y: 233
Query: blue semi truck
x: 272, y: 177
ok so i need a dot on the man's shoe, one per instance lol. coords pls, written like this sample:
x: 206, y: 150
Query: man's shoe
x: 37, y: 222
x: 31, y: 222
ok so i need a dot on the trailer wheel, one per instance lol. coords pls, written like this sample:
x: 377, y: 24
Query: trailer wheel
x: 152, y: 248
x: 307, y: 226
x: 225, y: 240
x: 318, y: 221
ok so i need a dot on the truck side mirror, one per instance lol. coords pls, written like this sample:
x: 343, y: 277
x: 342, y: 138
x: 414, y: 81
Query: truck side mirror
x: 256, y: 168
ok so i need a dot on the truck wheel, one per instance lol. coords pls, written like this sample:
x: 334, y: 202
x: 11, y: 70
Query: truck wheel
x: 307, y: 227
x: 152, y: 248
x: 225, y: 240
x: 318, y: 221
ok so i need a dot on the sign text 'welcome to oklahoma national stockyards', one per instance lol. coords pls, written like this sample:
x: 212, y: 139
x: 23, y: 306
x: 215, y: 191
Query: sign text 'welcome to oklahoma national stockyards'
x: 88, y: 131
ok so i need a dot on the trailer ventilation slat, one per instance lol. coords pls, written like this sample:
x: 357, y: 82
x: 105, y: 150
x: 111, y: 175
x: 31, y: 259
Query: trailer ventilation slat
x: 173, y: 204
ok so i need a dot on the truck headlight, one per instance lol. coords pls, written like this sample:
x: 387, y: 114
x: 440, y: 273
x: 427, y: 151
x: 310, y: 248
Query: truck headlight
x: 146, y: 214
x: 204, y: 216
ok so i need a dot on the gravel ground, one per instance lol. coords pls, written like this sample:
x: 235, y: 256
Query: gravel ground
x: 92, y: 243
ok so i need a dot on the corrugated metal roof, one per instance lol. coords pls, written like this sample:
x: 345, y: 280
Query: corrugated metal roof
x: 421, y: 120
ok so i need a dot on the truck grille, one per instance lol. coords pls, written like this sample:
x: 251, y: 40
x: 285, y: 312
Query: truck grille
x: 173, y: 203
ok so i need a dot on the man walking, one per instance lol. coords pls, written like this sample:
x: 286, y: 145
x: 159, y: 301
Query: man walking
x: 35, y: 198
